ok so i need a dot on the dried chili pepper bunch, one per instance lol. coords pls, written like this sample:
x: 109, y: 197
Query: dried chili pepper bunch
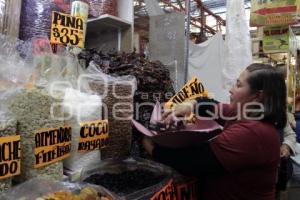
x: 150, y: 75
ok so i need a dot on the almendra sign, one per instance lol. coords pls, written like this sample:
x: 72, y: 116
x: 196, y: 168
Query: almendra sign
x: 66, y: 29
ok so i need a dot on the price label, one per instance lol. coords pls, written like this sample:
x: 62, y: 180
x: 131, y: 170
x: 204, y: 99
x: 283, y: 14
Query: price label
x: 10, y: 156
x: 93, y: 135
x: 194, y: 88
x: 52, y: 145
x: 167, y: 192
x: 66, y: 29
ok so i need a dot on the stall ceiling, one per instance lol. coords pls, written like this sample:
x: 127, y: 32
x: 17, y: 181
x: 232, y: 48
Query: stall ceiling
x: 215, y: 6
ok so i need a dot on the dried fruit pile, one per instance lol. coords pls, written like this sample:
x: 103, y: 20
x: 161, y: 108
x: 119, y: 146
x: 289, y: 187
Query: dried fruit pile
x: 151, y: 76
x: 87, y: 193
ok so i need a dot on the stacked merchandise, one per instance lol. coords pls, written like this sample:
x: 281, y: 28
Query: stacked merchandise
x: 101, y: 7
x: 153, y: 83
x: 36, y: 17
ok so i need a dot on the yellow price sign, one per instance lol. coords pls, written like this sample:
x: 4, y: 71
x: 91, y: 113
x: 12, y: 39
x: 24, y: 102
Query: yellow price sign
x: 93, y: 135
x: 52, y: 145
x: 194, y: 88
x: 10, y: 156
x: 66, y: 29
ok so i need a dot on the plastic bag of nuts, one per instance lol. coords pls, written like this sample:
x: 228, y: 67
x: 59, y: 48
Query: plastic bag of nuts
x: 32, y: 109
x: 117, y: 94
x: 101, y: 7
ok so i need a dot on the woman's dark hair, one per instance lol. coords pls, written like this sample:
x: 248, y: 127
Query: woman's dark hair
x: 265, y: 78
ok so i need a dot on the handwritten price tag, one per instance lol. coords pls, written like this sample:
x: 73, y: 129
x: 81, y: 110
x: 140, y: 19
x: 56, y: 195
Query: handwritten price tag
x: 66, y: 29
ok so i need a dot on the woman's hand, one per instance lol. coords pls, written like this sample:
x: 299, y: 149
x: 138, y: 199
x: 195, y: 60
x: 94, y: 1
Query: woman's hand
x: 179, y: 110
x: 148, y: 145
x: 285, y: 151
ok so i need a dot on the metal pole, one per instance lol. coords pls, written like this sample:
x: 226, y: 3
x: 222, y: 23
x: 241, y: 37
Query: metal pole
x: 187, y: 38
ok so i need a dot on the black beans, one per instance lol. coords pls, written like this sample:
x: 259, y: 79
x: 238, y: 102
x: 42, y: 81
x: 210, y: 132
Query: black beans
x: 126, y: 182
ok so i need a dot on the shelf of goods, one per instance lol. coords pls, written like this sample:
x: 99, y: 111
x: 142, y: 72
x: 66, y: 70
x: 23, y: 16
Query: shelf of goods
x: 108, y: 32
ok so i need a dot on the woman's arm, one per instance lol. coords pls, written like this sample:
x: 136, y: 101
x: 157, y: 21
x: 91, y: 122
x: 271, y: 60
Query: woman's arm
x: 289, y: 139
x: 192, y: 161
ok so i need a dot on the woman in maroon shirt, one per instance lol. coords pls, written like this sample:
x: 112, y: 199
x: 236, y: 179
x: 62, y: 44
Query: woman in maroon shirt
x: 241, y: 162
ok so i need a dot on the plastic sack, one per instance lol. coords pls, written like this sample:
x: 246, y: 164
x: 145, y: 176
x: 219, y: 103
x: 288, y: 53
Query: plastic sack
x: 117, y: 94
x: 10, y: 17
x: 101, y: 7
x: 15, y: 71
x: 34, y: 111
x: 81, y: 107
x: 32, y: 108
x: 237, y: 43
x: 8, y: 126
x: 131, y: 179
x: 46, y: 189
x: 52, y: 69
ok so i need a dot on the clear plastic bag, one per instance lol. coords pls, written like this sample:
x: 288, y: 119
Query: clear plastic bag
x: 15, y: 62
x: 117, y: 94
x: 45, y: 189
x: 53, y: 69
x: 81, y: 107
x: 32, y: 109
x: 112, y: 174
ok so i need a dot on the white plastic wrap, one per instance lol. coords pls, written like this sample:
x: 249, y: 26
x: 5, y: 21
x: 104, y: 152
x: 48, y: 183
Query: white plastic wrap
x: 15, y: 71
x: 237, y: 43
x: 81, y: 107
